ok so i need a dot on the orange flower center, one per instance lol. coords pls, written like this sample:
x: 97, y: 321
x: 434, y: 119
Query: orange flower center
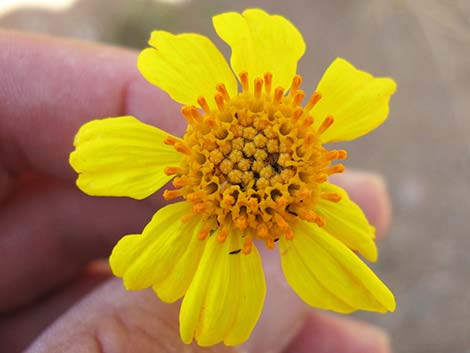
x: 255, y: 163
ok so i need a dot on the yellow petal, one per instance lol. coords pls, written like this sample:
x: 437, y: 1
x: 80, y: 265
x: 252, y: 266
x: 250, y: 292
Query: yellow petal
x: 176, y: 283
x: 357, y: 101
x: 347, y: 223
x: 261, y: 43
x: 328, y: 275
x: 151, y: 258
x: 121, y: 157
x: 225, y: 298
x: 186, y: 66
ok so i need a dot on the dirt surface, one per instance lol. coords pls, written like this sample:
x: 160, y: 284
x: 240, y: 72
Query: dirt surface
x: 423, y: 149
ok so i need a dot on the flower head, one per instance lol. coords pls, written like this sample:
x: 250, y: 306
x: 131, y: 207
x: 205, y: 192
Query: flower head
x: 251, y: 169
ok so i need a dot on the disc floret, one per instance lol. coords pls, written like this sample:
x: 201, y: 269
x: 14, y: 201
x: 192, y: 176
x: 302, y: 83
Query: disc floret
x: 255, y: 163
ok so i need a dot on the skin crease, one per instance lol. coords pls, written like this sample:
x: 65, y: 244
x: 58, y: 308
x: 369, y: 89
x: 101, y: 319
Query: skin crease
x: 51, y: 231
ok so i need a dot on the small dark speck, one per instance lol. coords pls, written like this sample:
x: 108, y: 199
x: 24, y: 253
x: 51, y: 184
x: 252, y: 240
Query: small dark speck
x: 277, y: 239
x: 235, y: 252
x: 276, y: 167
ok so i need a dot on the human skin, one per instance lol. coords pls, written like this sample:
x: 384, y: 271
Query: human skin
x: 51, y: 298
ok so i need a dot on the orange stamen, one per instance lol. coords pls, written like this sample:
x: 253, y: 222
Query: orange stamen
x: 219, y: 100
x: 296, y: 82
x: 270, y: 243
x: 299, y: 96
x: 307, y: 122
x: 278, y: 93
x: 268, y: 80
x: 171, y: 194
x: 186, y: 112
x: 342, y: 154
x: 244, y: 81
x: 331, y: 155
x: 181, y: 181
x: 320, y: 221
x: 195, y: 114
x: 173, y: 170
x: 247, y: 246
x: 321, y: 177
x: 258, y: 87
x: 182, y: 148
x: 309, y: 138
x: 222, y: 236
x: 211, y: 122
x: 337, y: 168
x: 203, y: 103
x: 223, y: 90
x: 329, y: 120
x: 313, y: 100
x: 331, y: 196
x: 170, y: 140
x: 203, y: 233
x: 297, y: 113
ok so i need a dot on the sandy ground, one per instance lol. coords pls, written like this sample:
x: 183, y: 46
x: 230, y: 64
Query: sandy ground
x: 423, y: 148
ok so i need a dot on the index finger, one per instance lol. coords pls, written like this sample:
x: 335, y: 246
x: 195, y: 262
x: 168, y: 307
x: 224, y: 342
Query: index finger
x: 51, y: 86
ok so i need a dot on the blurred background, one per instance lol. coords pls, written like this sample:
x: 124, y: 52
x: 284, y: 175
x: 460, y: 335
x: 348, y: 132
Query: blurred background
x: 423, y: 149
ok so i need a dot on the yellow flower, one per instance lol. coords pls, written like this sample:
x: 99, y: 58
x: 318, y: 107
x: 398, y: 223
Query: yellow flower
x: 250, y: 169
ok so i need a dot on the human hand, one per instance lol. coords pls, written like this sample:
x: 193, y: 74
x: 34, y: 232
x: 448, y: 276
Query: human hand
x: 51, y: 231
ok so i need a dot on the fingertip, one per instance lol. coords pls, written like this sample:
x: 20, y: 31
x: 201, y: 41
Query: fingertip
x: 322, y: 333
x: 153, y: 106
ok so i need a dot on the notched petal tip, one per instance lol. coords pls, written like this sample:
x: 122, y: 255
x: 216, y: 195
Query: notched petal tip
x: 261, y: 43
x: 186, y: 66
x: 358, y: 101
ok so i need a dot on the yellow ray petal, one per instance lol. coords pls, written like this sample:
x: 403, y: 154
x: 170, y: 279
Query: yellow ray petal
x: 357, y: 101
x: 328, y: 275
x: 225, y: 298
x: 261, y: 43
x: 186, y: 66
x: 121, y: 157
x: 176, y: 283
x: 347, y: 223
x: 158, y: 255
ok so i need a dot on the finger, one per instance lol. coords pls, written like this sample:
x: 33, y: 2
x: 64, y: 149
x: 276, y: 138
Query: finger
x: 322, y: 333
x: 369, y: 191
x: 60, y: 229
x: 113, y: 320
x: 52, y: 86
x: 18, y: 329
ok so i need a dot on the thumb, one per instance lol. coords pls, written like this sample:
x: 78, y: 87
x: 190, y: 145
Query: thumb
x: 113, y: 320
